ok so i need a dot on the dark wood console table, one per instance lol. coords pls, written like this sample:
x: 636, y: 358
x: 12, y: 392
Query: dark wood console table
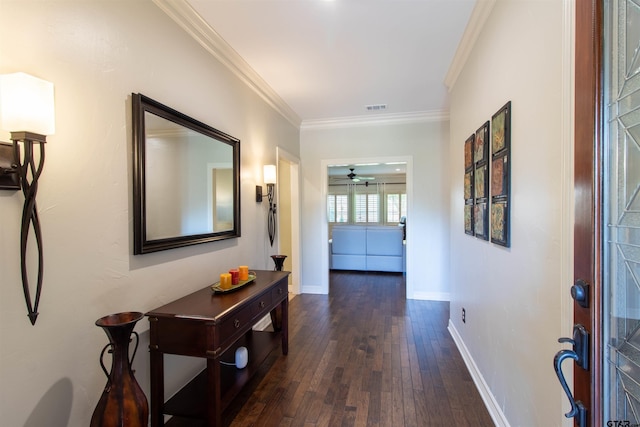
x: 212, y: 326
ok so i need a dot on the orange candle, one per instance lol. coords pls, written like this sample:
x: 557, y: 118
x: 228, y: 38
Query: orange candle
x: 244, y: 272
x: 225, y: 280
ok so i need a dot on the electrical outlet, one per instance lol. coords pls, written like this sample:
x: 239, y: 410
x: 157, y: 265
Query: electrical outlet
x: 464, y: 316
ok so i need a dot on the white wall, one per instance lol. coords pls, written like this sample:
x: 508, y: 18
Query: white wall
x: 512, y: 295
x: 97, y: 53
x: 425, y: 144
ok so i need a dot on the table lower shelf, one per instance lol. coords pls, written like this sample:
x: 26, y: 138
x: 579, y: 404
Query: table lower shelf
x: 189, y: 405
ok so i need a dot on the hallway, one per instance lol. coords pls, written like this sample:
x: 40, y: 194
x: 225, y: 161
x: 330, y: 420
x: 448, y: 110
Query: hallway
x: 364, y: 356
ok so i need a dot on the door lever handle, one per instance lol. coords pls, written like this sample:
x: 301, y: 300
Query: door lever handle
x: 577, y: 407
x: 580, y: 354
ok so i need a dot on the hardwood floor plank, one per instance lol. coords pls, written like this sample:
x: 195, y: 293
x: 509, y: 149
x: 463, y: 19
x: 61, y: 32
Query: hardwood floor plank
x: 386, y: 409
x: 339, y: 412
x: 407, y: 398
x: 303, y: 410
x: 349, y: 418
x: 420, y: 405
x: 363, y: 356
x: 362, y: 409
x: 316, y: 410
x: 397, y: 403
x: 375, y: 398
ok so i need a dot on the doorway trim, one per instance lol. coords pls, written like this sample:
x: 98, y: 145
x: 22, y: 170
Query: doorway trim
x: 324, y: 229
x: 296, y: 253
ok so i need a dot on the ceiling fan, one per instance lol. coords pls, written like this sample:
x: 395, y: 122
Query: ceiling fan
x: 355, y: 178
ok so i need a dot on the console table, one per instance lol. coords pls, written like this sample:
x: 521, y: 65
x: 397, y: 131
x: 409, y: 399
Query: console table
x: 212, y: 326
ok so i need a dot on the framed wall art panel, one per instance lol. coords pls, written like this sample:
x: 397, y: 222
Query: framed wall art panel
x: 468, y: 152
x: 480, y: 217
x: 469, y: 185
x: 500, y: 222
x: 501, y: 176
x: 468, y: 218
x: 481, y: 181
x: 480, y: 185
x: 481, y: 144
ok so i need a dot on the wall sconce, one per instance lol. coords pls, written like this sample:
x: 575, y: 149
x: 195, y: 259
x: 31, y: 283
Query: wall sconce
x: 269, y: 176
x: 26, y: 102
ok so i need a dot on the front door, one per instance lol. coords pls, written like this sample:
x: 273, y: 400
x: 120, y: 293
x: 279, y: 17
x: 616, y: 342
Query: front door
x: 621, y: 213
x: 606, y: 284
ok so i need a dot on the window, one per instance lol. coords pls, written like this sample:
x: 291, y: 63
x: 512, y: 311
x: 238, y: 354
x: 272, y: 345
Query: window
x: 338, y: 207
x: 380, y: 203
x: 366, y: 207
x: 396, y: 207
x: 372, y: 207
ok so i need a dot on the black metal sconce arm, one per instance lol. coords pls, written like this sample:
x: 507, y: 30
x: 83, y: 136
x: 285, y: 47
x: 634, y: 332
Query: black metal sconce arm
x: 271, y: 217
x: 22, y: 172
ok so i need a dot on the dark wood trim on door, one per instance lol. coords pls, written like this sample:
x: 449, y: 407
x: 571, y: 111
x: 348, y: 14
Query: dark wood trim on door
x: 587, y: 228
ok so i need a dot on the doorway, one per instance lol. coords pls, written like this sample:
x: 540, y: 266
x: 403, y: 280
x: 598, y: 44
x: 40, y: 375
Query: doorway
x: 366, y: 167
x: 288, y: 202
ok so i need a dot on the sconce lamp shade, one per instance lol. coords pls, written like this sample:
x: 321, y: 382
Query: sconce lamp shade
x: 26, y: 104
x: 269, y: 174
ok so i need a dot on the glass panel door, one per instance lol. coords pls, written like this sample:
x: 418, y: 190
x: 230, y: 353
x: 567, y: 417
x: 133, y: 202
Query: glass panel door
x: 621, y: 212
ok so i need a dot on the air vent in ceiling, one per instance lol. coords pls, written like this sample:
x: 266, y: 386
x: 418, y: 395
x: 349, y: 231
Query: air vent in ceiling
x: 376, y: 107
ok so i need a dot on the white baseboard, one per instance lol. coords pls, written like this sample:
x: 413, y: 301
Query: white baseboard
x: 312, y: 290
x: 432, y: 296
x: 489, y: 400
x: 263, y: 323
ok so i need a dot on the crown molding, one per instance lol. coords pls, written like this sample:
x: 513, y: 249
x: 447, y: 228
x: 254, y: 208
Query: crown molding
x: 190, y: 21
x: 479, y: 15
x: 378, y: 119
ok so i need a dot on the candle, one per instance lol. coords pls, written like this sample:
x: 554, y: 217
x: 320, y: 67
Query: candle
x: 244, y: 272
x: 235, y: 276
x: 225, y: 280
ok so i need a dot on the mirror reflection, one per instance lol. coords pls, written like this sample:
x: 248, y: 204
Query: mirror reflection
x: 186, y: 179
x: 199, y: 199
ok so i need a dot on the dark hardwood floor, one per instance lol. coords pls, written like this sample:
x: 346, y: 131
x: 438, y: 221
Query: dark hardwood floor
x: 363, y: 356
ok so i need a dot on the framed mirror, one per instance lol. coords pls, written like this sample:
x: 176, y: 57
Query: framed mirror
x: 186, y: 179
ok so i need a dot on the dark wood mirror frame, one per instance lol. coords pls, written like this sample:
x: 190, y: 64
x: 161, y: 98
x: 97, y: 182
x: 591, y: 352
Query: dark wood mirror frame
x: 142, y: 243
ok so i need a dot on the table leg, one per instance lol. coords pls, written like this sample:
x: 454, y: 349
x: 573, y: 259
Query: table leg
x: 214, y: 408
x: 284, y: 306
x: 156, y: 360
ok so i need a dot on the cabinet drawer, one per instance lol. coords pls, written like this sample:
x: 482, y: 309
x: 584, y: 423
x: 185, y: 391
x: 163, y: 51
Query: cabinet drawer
x: 279, y: 292
x: 235, y: 324
x: 260, y: 305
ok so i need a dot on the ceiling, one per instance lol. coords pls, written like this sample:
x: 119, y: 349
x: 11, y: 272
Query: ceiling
x: 367, y: 169
x: 328, y: 60
x: 362, y: 173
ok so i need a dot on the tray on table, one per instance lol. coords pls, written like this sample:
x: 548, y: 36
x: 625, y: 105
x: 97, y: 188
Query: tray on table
x: 218, y: 290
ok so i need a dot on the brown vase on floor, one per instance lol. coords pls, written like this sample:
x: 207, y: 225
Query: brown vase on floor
x: 123, y: 403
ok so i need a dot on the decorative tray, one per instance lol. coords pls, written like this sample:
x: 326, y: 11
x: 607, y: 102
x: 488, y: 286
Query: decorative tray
x: 218, y: 290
